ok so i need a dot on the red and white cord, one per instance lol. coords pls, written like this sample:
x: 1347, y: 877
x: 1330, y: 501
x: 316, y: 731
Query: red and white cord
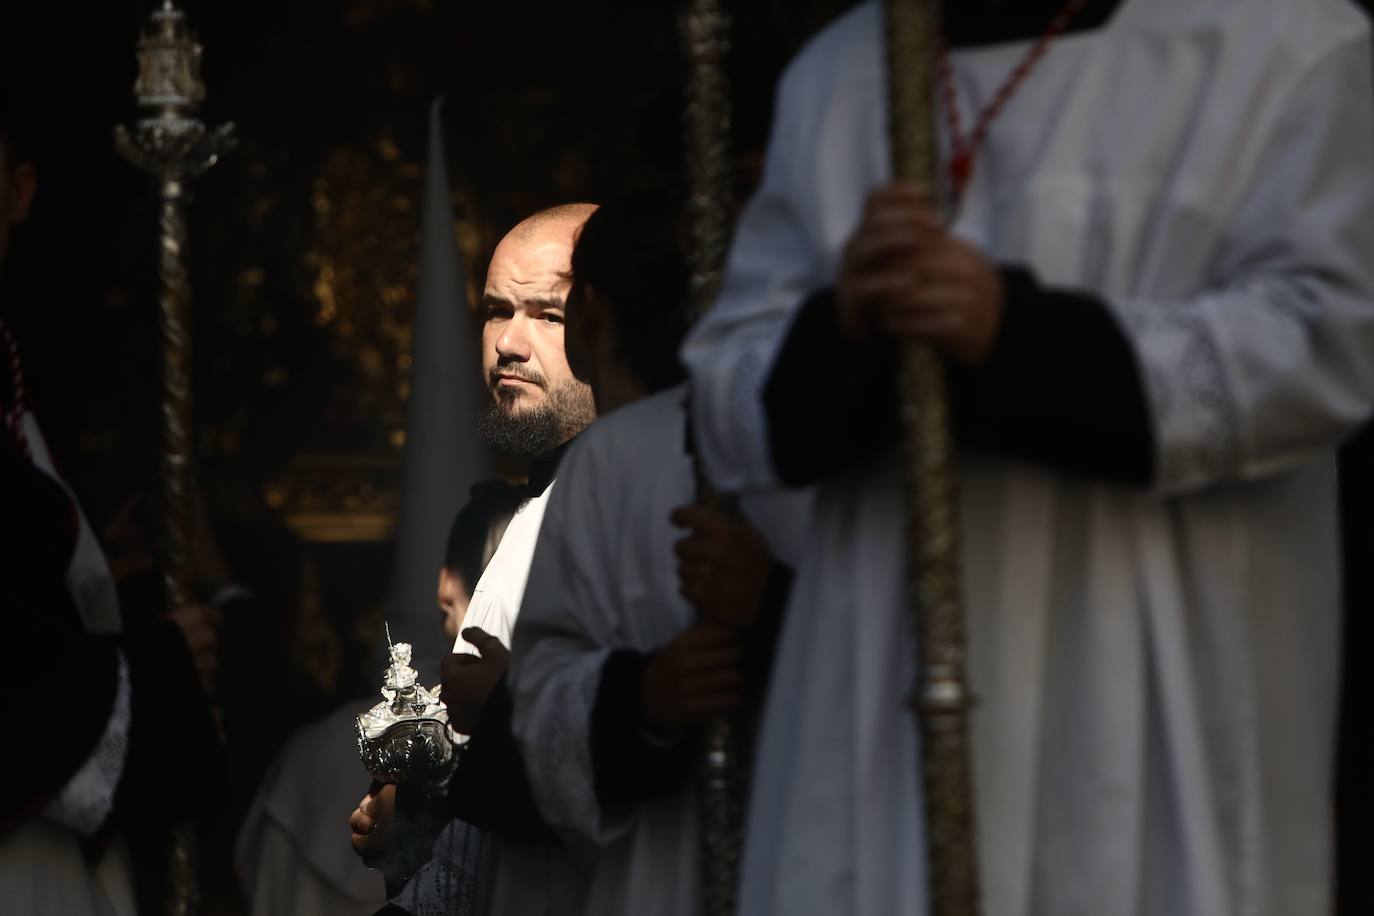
x: 14, y: 413
x: 964, y: 148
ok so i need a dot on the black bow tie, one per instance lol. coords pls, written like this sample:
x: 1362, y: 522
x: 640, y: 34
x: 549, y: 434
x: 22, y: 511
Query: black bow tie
x: 542, y: 470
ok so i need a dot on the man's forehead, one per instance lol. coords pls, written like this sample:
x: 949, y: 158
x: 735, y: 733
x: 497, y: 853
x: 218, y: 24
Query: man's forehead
x: 530, y: 268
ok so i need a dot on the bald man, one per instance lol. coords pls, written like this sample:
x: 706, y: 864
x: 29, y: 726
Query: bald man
x: 537, y: 406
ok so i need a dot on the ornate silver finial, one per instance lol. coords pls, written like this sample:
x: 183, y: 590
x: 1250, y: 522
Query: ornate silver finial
x: 173, y: 147
x: 169, y: 63
x: 170, y: 142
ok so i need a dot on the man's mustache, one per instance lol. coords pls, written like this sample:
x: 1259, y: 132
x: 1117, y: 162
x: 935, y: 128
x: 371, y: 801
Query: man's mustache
x: 514, y: 370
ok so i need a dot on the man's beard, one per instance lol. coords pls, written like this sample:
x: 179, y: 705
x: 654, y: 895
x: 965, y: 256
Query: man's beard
x: 529, y: 432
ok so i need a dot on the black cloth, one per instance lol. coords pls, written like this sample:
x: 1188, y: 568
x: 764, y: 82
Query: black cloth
x: 972, y: 23
x: 490, y: 789
x: 830, y: 404
x: 1355, y: 757
x: 761, y: 645
x: 627, y: 766
x: 543, y: 469
x: 1060, y: 389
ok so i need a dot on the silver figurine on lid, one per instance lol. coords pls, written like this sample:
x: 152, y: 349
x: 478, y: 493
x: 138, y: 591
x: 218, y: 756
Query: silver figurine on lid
x: 406, y: 737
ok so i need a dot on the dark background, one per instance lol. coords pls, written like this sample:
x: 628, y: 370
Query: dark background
x: 303, y: 241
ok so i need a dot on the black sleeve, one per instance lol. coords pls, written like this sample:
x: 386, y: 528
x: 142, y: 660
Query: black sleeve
x: 1061, y: 389
x: 491, y: 790
x: 627, y: 767
x: 830, y: 403
x: 1354, y: 807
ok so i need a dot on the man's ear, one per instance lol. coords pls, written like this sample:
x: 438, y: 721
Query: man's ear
x: 449, y: 578
x: 25, y: 184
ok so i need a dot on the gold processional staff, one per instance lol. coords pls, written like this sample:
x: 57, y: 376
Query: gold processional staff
x: 705, y: 29
x: 941, y: 701
x: 173, y: 147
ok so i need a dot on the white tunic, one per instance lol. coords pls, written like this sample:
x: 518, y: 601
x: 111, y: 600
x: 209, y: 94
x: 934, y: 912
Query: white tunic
x: 603, y: 579
x: 1156, y: 671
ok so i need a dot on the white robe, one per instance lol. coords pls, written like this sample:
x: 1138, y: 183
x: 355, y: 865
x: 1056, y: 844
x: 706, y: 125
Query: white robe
x: 1156, y: 671
x: 291, y: 854
x: 604, y: 578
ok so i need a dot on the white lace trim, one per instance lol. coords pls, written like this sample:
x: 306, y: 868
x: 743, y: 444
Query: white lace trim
x: 447, y: 885
x: 1196, y: 422
x: 85, y: 802
x: 563, y: 779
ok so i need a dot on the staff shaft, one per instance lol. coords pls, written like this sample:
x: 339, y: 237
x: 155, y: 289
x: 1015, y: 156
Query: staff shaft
x: 705, y: 30
x: 941, y: 702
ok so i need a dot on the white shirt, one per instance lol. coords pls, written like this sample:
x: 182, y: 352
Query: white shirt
x: 496, y: 600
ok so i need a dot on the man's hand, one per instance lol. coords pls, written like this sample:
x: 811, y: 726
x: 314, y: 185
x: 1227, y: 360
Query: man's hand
x: 199, y: 624
x: 722, y: 566
x: 904, y: 275
x: 468, y: 680
x: 697, y: 676
x: 370, y: 823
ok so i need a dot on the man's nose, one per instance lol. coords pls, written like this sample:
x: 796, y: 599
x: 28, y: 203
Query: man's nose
x: 514, y: 342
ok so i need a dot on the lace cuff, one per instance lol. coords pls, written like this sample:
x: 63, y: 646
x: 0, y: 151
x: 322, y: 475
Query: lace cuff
x: 1196, y: 422
x: 86, y: 800
x: 562, y: 778
x: 448, y: 884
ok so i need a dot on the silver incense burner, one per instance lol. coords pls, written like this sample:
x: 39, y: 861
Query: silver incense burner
x: 406, y: 737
